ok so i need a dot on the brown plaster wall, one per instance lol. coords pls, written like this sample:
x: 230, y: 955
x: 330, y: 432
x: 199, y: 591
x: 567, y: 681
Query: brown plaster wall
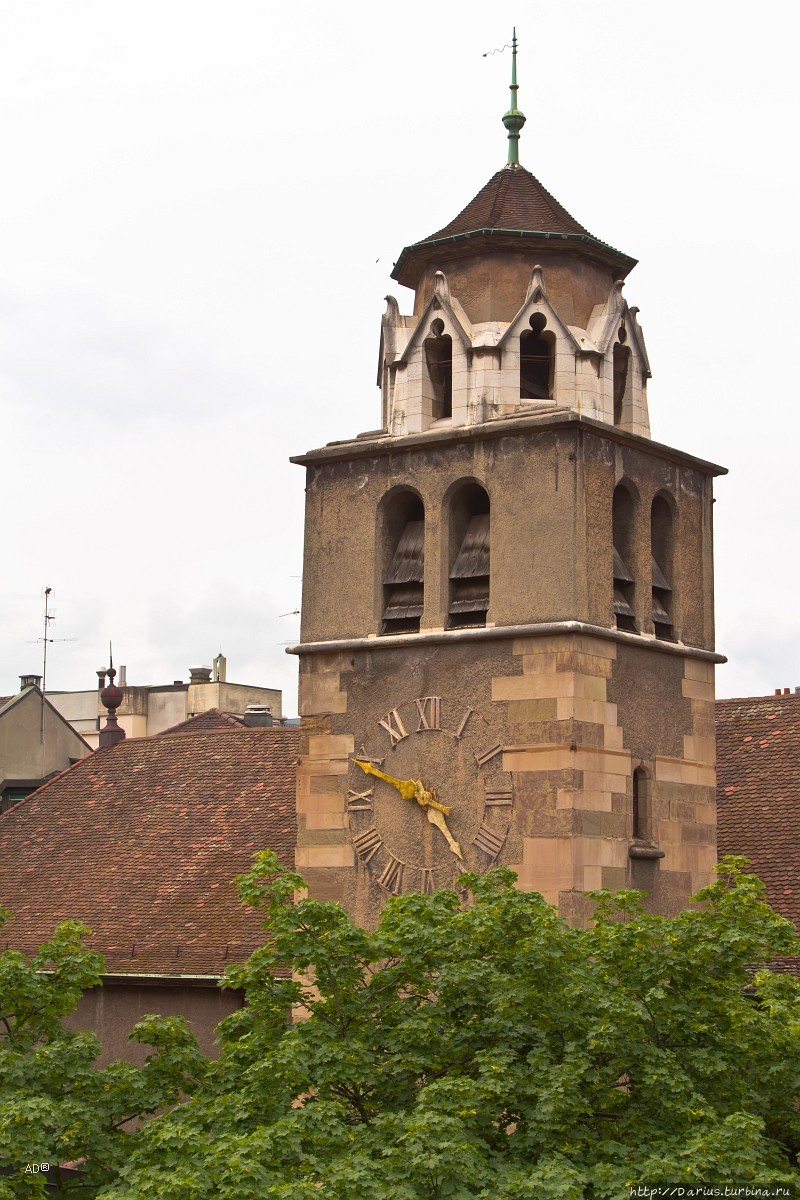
x: 23, y: 754
x: 112, y: 1010
x: 493, y: 285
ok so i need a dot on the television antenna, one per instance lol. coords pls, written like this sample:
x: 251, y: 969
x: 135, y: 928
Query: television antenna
x: 45, y: 639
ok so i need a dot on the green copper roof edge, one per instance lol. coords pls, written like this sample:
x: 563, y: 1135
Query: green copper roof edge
x: 539, y: 233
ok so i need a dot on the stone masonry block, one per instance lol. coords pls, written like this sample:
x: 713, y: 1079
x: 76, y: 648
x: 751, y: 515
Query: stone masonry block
x: 581, y: 709
x: 612, y: 737
x: 585, y: 664
x: 323, y: 766
x: 601, y: 852
x: 595, y: 801
x: 532, y: 710
x: 324, y: 856
x: 325, y: 820
x: 700, y: 749
x: 704, y: 835
x: 322, y: 802
x: 676, y: 770
x: 546, y: 866
x: 601, y: 781
x: 695, y: 689
x: 331, y: 746
x: 696, y: 668
x: 539, y: 664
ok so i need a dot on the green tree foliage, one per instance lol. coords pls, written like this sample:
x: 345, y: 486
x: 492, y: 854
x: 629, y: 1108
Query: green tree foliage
x: 475, y: 1046
x: 55, y: 1106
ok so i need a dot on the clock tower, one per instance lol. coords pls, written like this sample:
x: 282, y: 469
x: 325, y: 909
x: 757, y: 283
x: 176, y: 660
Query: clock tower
x: 507, y: 649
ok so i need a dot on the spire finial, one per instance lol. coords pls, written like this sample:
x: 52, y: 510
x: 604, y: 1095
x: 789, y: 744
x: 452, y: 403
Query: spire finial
x: 513, y: 119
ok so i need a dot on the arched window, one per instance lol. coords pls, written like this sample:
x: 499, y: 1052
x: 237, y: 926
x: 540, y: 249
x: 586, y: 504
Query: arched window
x: 439, y: 363
x: 469, y: 556
x: 622, y: 360
x: 661, y: 543
x: 641, y: 814
x: 536, y: 355
x: 624, y: 581
x: 404, y: 564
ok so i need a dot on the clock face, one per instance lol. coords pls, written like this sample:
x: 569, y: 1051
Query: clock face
x: 427, y: 795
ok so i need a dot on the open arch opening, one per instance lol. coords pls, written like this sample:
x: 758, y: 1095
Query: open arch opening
x: 640, y: 803
x: 536, y: 358
x: 661, y: 544
x: 403, y: 555
x: 439, y: 365
x: 469, y: 528
x: 624, y: 582
x: 622, y: 362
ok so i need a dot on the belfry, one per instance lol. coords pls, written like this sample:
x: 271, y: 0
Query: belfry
x: 507, y: 650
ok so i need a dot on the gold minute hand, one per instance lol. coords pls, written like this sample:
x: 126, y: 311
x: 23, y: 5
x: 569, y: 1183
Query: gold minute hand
x: 406, y: 787
x: 409, y: 789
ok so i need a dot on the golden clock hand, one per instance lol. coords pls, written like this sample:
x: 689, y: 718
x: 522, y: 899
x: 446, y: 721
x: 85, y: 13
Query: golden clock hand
x: 406, y: 787
x: 436, y: 818
x: 435, y: 812
x: 409, y: 789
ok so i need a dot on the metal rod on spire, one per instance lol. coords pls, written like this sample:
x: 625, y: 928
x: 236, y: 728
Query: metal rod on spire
x: 513, y: 119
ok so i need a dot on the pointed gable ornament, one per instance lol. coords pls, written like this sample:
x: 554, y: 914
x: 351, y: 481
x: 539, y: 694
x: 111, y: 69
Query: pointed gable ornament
x: 111, y: 696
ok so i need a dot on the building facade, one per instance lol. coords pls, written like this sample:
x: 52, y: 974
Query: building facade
x: 152, y: 708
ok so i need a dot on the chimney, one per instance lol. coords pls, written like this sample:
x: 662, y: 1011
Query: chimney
x: 123, y: 677
x: 258, y: 716
x: 26, y: 681
x: 220, y: 668
x: 199, y: 674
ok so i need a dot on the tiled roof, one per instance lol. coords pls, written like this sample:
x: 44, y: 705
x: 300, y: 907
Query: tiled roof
x: 512, y: 204
x: 512, y: 199
x: 758, y: 791
x: 213, y: 718
x: 141, y: 840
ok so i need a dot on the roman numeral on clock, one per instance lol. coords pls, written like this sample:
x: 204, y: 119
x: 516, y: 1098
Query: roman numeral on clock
x: 489, y: 841
x: 499, y: 796
x: 429, y: 712
x: 359, y: 801
x: 367, y: 843
x: 391, y: 877
x: 393, y: 726
x: 362, y: 754
x: 463, y: 725
x: 426, y: 884
x: 482, y: 759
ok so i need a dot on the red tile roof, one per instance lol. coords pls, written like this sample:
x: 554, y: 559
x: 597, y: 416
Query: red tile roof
x: 758, y: 791
x: 213, y: 718
x: 512, y: 202
x: 512, y: 199
x: 140, y: 841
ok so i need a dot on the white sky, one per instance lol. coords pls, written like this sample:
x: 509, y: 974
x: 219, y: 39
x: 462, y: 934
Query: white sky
x: 201, y: 206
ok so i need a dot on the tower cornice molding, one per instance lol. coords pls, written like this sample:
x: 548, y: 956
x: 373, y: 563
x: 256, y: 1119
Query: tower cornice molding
x: 503, y: 633
x: 383, y: 444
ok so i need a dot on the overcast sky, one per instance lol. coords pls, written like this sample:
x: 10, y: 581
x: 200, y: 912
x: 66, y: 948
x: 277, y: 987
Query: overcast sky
x: 202, y: 204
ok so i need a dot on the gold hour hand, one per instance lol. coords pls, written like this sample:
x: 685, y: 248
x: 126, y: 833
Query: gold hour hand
x: 406, y: 787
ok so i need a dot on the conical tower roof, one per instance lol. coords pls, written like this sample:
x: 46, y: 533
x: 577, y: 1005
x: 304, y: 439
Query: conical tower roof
x: 512, y: 199
x: 513, y: 207
x: 514, y: 211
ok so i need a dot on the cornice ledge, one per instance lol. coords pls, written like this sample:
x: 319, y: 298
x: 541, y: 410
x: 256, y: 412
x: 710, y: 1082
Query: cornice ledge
x: 507, y: 425
x: 504, y: 632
